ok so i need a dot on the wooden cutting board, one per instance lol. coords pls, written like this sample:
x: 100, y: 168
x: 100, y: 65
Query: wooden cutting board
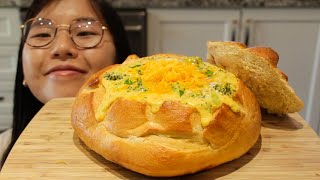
x: 48, y: 148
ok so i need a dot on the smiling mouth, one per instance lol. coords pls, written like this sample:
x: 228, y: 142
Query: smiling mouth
x: 65, y: 71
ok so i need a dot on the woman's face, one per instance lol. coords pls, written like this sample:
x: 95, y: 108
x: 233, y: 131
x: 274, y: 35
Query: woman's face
x: 60, y: 68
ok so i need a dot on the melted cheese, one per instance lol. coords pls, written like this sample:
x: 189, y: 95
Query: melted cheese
x: 190, y: 81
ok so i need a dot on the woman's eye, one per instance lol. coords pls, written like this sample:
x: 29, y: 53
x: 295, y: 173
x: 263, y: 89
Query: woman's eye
x: 86, y: 33
x: 41, y: 35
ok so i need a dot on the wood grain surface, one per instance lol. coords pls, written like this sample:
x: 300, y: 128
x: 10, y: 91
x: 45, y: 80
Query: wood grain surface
x: 48, y: 149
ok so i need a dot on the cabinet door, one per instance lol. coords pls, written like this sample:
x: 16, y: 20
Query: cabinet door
x: 187, y: 31
x: 6, y: 116
x: 6, y: 104
x: 295, y: 35
x: 8, y: 62
x: 9, y: 26
x: 6, y: 92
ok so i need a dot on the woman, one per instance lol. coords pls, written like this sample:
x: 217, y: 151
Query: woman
x: 64, y: 42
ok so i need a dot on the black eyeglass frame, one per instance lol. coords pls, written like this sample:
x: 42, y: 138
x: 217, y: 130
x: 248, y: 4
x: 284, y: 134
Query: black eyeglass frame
x: 24, y: 38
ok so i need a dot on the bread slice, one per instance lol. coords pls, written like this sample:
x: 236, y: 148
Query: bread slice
x: 257, y: 68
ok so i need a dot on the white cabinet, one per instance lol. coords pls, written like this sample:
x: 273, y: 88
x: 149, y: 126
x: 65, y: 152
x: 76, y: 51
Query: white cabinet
x: 9, y: 42
x: 293, y: 33
x: 9, y: 26
x: 8, y: 62
x: 187, y: 31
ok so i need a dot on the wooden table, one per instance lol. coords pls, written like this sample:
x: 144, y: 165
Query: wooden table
x: 48, y: 148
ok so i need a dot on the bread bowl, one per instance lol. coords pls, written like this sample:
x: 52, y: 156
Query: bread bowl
x: 166, y: 115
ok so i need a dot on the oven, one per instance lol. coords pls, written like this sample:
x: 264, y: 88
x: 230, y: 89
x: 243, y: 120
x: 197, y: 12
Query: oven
x: 135, y: 24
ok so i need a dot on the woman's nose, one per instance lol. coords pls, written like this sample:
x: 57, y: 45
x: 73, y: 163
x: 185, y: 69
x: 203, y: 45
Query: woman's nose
x: 63, y: 47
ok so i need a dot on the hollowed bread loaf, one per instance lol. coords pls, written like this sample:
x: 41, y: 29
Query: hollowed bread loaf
x: 166, y: 115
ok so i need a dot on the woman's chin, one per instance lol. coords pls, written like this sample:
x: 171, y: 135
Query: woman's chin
x: 57, y: 86
x: 61, y: 91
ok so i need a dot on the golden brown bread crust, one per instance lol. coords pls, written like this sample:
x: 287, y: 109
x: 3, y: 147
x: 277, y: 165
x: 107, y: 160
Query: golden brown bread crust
x: 169, y: 142
x: 257, y: 68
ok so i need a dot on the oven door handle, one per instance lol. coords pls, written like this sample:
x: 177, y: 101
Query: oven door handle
x: 133, y: 27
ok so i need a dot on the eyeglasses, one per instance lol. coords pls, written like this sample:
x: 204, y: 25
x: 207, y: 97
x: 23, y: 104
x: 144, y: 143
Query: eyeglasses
x: 84, y: 32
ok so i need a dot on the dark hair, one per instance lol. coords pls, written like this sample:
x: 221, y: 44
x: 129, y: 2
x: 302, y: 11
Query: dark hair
x: 25, y: 104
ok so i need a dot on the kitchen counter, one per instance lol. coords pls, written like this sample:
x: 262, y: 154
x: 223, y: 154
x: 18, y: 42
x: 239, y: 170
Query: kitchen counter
x: 193, y: 3
x: 48, y: 148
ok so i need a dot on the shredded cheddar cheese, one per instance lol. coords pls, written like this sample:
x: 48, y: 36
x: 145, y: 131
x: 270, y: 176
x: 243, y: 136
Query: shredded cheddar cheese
x: 189, y: 80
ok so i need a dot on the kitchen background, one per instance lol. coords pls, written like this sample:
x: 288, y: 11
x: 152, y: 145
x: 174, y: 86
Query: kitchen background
x: 291, y: 27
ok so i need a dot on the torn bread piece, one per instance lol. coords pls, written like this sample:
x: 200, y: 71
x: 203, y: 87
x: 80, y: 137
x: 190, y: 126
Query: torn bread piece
x: 257, y: 68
